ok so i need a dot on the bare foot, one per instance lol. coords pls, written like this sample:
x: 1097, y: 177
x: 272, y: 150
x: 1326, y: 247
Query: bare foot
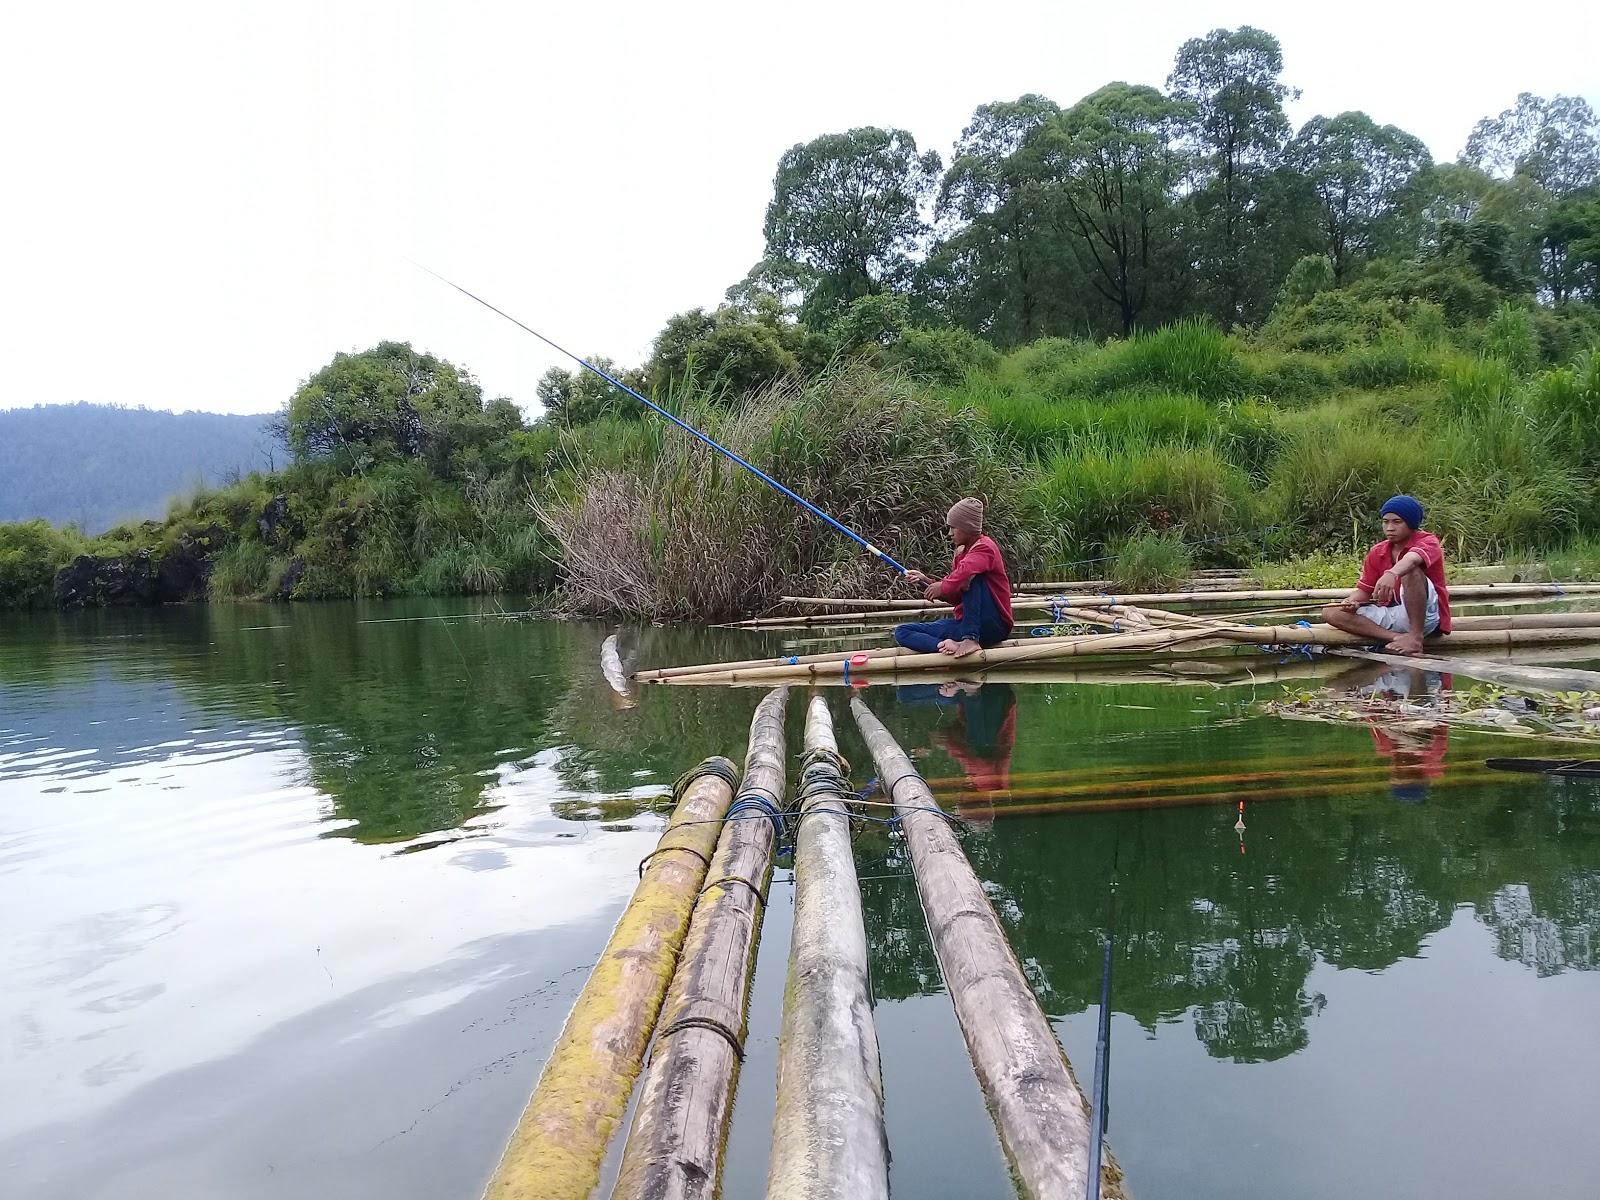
x: 1406, y: 643
x: 959, y: 649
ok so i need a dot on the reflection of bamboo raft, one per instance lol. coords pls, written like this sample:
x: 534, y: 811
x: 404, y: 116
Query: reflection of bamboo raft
x: 686, y: 1103
x: 583, y: 1090
x: 1188, y: 799
x: 828, y: 1140
x: 1040, y: 1113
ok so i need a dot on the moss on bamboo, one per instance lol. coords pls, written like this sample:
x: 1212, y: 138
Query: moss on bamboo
x: 557, y: 1148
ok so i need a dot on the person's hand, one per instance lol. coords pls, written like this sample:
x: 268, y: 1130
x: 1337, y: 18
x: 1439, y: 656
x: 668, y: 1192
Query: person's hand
x: 932, y: 592
x: 1383, y: 591
x: 915, y: 576
x: 1350, y: 604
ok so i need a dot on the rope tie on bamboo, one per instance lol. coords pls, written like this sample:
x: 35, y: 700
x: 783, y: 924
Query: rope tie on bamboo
x: 643, y: 862
x: 761, y: 897
x: 717, y: 766
x: 762, y: 804
x: 710, y: 1023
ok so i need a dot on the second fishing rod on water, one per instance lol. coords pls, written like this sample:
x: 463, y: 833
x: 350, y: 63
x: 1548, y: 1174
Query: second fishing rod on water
x: 684, y: 425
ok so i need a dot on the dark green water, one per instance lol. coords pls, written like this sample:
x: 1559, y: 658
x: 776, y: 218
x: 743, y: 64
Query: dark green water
x: 294, y: 901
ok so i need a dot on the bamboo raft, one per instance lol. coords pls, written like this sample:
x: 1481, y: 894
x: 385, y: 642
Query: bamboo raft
x: 1133, y: 628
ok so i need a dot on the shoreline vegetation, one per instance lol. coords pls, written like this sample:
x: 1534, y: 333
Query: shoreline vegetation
x: 1159, y: 331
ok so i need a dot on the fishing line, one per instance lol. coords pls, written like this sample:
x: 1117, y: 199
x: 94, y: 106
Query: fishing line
x: 684, y: 425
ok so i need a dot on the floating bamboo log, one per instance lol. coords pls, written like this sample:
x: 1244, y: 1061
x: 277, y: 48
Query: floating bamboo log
x: 828, y: 1140
x: 1041, y: 1115
x: 681, y: 1125
x: 1542, y: 679
x: 559, y: 1144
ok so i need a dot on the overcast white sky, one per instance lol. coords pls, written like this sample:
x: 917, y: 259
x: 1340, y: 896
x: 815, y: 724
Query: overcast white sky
x: 202, y: 202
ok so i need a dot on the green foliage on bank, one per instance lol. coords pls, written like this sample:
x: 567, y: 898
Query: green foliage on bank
x: 1154, y: 328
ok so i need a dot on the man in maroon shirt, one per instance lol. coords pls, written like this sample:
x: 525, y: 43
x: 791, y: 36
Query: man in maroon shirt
x: 1401, y: 596
x: 977, y: 585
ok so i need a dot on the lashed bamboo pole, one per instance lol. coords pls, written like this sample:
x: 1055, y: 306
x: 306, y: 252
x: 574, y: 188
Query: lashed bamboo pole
x: 1188, y: 638
x: 828, y: 1139
x: 674, y: 1149
x: 1110, y: 670
x: 557, y: 1148
x: 1041, y: 1115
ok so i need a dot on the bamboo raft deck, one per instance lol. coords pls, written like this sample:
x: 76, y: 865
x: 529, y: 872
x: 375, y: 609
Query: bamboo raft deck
x: 1135, y: 630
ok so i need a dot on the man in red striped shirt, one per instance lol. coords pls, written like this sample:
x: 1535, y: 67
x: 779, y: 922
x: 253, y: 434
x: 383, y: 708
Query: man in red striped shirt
x: 1401, y: 596
x: 977, y: 585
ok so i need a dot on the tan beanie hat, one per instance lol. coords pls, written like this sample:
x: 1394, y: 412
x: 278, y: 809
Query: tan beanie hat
x: 966, y: 514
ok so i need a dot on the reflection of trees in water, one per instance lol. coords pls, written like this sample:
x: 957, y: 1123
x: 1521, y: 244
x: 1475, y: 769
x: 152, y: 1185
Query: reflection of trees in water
x: 1232, y: 938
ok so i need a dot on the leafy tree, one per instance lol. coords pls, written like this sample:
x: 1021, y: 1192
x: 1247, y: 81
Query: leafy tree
x: 734, y: 350
x: 846, y: 215
x: 1555, y: 142
x: 1358, y: 171
x: 1308, y: 276
x: 1113, y: 152
x: 1236, y: 130
x: 1569, y: 246
x: 999, y: 270
x: 579, y: 397
x: 392, y: 402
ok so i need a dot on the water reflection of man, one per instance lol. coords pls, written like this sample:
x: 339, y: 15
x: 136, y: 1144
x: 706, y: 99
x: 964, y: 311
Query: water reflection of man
x: 1415, y: 749
x: 980, y: 740
x: 1416, y: 757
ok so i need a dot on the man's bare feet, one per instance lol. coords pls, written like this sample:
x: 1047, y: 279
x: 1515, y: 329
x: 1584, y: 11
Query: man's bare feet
x: 959, y: 649
x: 1406, y: 643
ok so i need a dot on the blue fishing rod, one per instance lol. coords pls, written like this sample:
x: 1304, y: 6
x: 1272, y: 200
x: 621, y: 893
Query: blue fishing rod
x: 1098, y: 1110
x: 684, y: 425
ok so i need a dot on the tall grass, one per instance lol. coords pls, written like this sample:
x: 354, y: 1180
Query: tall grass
x: 1152, y: 562
x: 689, y: 533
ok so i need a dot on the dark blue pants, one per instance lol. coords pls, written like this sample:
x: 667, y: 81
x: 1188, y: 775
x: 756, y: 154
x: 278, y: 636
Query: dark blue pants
x: 980, y: 620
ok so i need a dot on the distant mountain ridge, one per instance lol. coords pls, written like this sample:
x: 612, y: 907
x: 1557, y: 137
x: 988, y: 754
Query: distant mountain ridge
x: 99, y: 464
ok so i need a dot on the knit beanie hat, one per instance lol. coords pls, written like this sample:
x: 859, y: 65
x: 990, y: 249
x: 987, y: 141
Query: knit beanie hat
x: 1407, y: 508
x: 966, y: 514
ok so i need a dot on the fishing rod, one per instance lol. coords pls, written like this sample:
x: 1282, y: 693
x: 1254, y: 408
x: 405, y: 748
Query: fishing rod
x: 1102, y: 1046
x: 684, y: 425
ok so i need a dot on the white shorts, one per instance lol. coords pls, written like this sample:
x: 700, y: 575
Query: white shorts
x: 1394, y: 618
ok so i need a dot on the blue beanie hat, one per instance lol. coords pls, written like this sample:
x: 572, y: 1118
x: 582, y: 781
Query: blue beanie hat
x: 1407, y: 508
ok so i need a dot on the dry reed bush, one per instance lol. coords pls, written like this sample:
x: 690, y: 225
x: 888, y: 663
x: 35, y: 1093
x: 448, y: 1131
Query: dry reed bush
x: 691, y: 535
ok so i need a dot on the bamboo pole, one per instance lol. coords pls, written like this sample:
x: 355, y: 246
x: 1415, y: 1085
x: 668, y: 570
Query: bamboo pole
x: 674, y: 1149
x: 828, y: 1139
x: 1042, y: 1117
x: 1543, y: 679
x: 557, y: 1148
x: 1191, y: 638
x: 1470, y: 591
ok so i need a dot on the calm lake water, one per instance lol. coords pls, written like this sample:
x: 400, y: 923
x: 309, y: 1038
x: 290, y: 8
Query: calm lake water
x: 295, y: 899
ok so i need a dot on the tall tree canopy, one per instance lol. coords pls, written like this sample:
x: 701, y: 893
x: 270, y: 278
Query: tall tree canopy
x: 846, y: 210
x: 1554, y: 142
x: 1000, y: 268
x: 1358, y: 171
x: 1235, y: 131
x: 1113, y: 152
